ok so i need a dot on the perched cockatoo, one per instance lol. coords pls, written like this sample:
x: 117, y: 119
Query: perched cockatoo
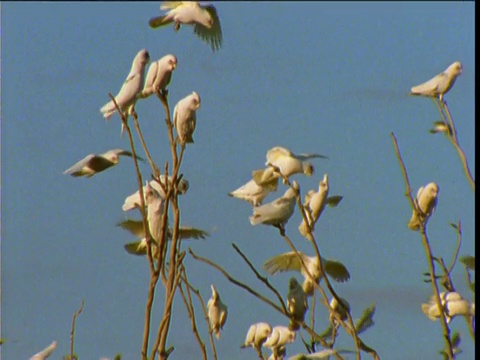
x: 155, y: 208
x: 204, y: 19
x: 280, y: 336
x: 256, y: 335
x: 453, y: 303
x: 133, y: 85
x: 133, y: 201
x: 277, y: 212
x: 93, y: 163
x: 45, y: 353
x: 341, y: 310
x: 217, y: 312
x: 427, y: 198
x: 290, y: 262
x: 254, y: 193
x: 297, y: 304
x: 288, y: 163
x: 159, y: 75
x: 440, y: 84
x: 315, y: 203
x: 185, y: 117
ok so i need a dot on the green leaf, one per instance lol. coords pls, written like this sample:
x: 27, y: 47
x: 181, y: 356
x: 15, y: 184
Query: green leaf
x: 468, y: 261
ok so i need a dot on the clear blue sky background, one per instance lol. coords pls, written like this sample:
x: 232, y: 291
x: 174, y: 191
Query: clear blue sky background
x: 331, y: 78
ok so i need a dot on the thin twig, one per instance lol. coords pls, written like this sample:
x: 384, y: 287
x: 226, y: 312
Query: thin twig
x: 72, y: 332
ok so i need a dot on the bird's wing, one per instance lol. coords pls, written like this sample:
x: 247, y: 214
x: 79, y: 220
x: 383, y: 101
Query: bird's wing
x: 334, y: 200
x: 168, y: 5
x: 188, y: 232
x: 310, y: 156
x: 430, y: 87
x: 136, y: 248
x: 80, y: 164
x: 336, y: 270
x: 134, y: 226
x: 212, y: 35
x: 127, y: 153
x: 266, y: 177
x: 283, y: 262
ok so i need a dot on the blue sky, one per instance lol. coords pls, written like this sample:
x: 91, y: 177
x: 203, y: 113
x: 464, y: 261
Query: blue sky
x: 331, y: 78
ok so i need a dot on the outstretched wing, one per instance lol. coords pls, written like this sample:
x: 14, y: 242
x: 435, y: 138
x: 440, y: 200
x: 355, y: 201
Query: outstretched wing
x: 283, y: 262
x: 336, y: 270
x: 212, y: 35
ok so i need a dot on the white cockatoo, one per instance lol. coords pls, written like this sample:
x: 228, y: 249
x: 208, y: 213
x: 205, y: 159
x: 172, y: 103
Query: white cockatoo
x: 159, y: 75
x: 132, y: 86
x: 185, y: 117
x: 439, y: 85
x: 315, y: 203
x: 140, y: 247
x: 288, y: 163
x: 217, y: 312
x: 427, y: 198
x: 45, y: 353
x: 256, y: 335
x: 93, y: 163
x: 133, y: 201
x: 155, y: 208
x: 453, y: 303
x: 254, y: 193
x: 280, y: 336
x: 290, y: 262
x: 277, y: 212
x: 205, y: 21
x: 297, y: 304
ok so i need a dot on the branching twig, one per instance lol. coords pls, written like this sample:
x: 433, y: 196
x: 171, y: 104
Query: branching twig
x: 426, y: 245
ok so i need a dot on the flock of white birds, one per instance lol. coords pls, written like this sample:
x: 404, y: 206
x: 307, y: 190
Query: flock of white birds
x: 281, y: 163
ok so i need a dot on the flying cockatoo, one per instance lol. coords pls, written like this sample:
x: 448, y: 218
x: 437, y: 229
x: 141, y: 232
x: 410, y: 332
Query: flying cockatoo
x: 277, y: 212
x: 140, y: 247
x: 297, y: 304
x: 45, y: 353
x: 205, y: 21
x: 280, y: 336
x: 93, y: 163
x: 185, y: 117
x: 290, y: 262
x: 217, y: 312
x: 254, y: 193
x: 133, y: 85
x: 315, y: 203
x: 426, y: 201
x: 440, y: 84
x: 133, y: 201
x: 159, y: 75
x: 288, y: 163
x: 256, y: 335
x: 453, y: 303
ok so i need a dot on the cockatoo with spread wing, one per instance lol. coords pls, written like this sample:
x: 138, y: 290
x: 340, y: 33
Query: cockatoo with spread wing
x: 290, y: 262
x: 132, y: 86
x: 257, y: 334
x: 439, y: 85
x: 133, y: 201
x: 185, y: 117
x: 453, y: 303
x: 205, y: 21
x: 287, y: 163
x: 427, y: 198
x: 159, y: 75
x: 217, y: 312
x: 315, y: 203
x: 254, y: 193
x: 277, y: 212
x: 93, y: 163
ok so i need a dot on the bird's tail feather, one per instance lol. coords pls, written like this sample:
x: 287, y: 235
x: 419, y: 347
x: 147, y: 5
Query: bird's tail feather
x: 159, y: 21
